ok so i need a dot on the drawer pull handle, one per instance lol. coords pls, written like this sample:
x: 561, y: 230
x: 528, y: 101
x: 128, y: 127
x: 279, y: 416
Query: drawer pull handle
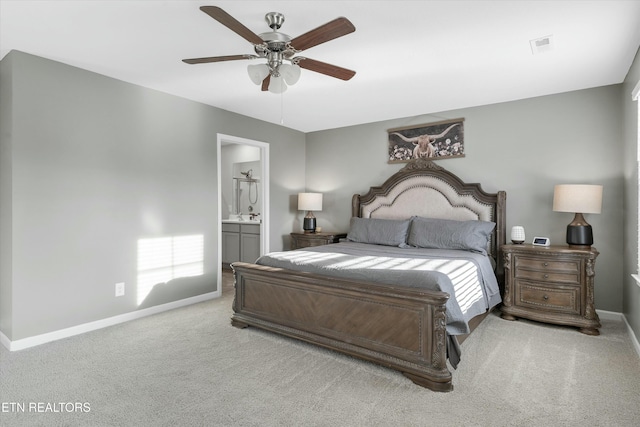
x: 546, y: 264
x: 546, y: 276
x: 546, y: 297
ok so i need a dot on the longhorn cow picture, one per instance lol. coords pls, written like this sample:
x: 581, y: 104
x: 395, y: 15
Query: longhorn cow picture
x: 440, y: 140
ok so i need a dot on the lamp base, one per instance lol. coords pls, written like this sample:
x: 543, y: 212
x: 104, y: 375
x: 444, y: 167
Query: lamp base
x: 579, y: 235
x: 309, y: 224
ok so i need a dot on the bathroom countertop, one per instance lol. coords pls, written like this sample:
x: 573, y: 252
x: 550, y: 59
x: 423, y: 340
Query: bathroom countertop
x: 241, y: 221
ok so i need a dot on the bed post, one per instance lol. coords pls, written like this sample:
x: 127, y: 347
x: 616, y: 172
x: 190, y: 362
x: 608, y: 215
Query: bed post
x: 501, y: 236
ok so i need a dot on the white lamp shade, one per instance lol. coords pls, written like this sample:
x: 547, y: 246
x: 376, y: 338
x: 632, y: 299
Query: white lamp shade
x: 577, y: 198
x: 290, y: 73
x: 309, y: 201
x: 277, y: 85
x: 258, y: 72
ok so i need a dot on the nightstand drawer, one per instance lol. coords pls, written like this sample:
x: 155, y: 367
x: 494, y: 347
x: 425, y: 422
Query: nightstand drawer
x: 557, y: 298
x: 541, y: 264
x: 307, y: 243
x: 548, y: 276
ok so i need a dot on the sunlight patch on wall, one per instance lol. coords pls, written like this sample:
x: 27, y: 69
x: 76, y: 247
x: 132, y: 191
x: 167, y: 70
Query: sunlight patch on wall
x: 163, y: 259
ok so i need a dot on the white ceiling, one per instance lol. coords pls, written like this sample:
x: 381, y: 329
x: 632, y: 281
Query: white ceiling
x: 411, y: 57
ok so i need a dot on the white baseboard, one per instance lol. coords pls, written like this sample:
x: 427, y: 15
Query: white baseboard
x: 632, y: 334
x: 610, y: 315
x: 99, y: 324
x: 5, y: 341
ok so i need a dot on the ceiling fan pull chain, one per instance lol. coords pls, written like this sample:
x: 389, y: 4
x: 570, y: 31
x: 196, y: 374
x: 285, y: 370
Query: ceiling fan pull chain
x: 282, y: 108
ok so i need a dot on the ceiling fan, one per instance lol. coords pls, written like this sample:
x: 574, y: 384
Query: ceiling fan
x: 277, y: 47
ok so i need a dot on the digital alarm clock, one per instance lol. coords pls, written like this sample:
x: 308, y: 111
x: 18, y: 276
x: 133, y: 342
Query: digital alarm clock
x: 541, y: 241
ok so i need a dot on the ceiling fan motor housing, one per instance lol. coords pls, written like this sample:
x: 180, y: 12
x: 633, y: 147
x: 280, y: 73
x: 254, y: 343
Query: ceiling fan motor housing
x: 275, y: 40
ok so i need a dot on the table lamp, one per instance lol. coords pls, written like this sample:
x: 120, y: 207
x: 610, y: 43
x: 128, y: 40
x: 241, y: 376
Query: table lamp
x: 579, y: 199
x: 309, y: 202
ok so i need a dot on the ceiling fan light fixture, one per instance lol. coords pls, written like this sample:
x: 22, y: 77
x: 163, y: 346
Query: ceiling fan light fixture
x: 277, y: 85
x: 290, y: 73
x: 258, y: 72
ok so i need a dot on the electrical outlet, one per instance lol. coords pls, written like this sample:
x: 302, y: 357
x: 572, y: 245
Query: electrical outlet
x: 120, y: 289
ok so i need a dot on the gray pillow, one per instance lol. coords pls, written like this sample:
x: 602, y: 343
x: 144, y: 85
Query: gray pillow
x: 377, y: 231
x: 449, y: 234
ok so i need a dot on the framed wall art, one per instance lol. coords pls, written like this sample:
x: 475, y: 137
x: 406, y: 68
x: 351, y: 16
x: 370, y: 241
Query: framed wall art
x: 439, y: 140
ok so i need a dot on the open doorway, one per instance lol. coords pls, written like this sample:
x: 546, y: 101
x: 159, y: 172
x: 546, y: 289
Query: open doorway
x: 243, y: 198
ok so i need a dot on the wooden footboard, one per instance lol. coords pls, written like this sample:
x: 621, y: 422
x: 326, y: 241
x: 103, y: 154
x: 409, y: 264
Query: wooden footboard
x: 401, y: 328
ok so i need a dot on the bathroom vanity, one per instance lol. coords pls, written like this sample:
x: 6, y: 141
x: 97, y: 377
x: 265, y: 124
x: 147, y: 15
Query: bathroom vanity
x: 240, y: 241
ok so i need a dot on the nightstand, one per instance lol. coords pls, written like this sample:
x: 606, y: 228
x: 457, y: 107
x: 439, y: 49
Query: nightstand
x: 305, y: 240
x: 552, y: 284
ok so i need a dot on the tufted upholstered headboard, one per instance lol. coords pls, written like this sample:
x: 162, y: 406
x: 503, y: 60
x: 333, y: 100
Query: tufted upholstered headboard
x: 425, y: 189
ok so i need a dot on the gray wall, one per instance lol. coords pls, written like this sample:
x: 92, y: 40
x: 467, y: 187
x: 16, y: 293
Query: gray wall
x: 6, y: 199
x: 523, y: 147
x: 91, y: 165
x: 631, y: 291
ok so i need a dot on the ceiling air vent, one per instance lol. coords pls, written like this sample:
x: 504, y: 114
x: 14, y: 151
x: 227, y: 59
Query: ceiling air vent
x: 541, y: 45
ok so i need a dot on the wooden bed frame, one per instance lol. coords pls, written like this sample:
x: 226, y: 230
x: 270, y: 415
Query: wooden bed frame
x: 398, y: 327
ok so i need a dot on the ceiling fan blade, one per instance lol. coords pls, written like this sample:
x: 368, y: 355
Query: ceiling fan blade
x: 265, y: 83
x: 232, y: 23
x: 217, y: 59
x: 329, y: 31
x: 324, y: 68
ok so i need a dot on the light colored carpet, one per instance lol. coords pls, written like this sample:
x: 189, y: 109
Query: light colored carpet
x: 190, y: 367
